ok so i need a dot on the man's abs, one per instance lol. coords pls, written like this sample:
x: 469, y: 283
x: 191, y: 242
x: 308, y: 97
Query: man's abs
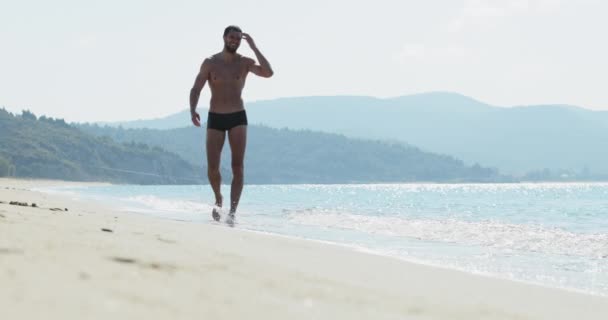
x: 226, y: 105
x: 226, y: 98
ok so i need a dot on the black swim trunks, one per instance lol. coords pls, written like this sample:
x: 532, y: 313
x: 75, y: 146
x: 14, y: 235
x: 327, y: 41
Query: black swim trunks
x: 226, y: 121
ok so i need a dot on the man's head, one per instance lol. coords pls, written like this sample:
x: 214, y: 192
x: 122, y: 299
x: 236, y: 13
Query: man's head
x: 232, y: 38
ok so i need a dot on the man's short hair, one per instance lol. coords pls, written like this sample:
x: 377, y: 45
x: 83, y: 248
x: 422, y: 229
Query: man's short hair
x: 231, y: 28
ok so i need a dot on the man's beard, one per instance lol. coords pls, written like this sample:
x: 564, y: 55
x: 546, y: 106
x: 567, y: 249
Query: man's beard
x: 229, y: 49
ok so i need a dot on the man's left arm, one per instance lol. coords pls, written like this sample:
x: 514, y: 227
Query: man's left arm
x: 263, y: 69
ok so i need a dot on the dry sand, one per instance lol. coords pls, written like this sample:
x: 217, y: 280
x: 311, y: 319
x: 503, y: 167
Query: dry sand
x: 62, y: 265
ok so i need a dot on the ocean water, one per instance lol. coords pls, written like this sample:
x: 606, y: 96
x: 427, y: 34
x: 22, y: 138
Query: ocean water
x: 552, y: 234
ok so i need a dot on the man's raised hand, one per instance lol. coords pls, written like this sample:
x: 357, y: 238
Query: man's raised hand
x: 249, y: 40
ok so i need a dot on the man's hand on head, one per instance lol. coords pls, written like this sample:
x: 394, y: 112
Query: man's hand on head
x: 249, y: 40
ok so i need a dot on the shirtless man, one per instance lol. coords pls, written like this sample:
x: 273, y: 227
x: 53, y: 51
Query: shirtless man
x: 226, y: 72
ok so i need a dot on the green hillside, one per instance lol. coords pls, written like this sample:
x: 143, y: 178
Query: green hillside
x: 50, y: 148
x: 289, y: 156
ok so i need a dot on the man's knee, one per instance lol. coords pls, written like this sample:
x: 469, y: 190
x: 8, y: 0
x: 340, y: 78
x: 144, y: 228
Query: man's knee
x: 213, y: 171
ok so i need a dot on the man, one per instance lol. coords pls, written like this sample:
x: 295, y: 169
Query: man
x: 226, y: 72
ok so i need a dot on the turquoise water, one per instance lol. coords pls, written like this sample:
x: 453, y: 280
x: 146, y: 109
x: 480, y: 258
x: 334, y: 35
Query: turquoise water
x: 550, y: 234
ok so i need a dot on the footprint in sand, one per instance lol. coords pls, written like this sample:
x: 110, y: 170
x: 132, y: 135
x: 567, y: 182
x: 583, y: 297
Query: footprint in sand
x: 123, y: 260
x: 161, y: 239
x: 10, y: 251
x: 159, y: 266
x: 147, y: 265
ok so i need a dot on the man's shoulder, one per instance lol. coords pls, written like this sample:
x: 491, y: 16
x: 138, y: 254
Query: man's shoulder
x: 210, y: 58
x: 247, y: 60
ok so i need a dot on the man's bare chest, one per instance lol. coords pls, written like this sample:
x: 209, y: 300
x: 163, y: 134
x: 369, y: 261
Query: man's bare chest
x: 227, y: 73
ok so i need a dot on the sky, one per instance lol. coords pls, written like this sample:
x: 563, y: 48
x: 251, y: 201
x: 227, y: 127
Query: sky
x: 137, y: 59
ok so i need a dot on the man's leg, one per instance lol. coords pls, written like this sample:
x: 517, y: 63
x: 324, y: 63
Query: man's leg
x: 215, y: 142
x: 237, y: 137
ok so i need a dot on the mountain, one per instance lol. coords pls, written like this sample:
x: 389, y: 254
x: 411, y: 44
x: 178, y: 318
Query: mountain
x: 516, y: 140
x: 175, y: 120
x: 50, y: 148
x: 302, y: 156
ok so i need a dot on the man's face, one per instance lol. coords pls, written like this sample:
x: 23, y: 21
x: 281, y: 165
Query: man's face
x: 232, y: 41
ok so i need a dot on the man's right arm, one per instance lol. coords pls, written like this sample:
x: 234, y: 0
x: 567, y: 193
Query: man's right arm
x: 195, y: 92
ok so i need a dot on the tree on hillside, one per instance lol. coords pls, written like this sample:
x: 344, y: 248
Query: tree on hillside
x: 27, y: 115
x: 7, y: 169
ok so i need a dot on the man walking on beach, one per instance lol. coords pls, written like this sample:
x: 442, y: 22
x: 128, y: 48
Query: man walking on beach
x: 226, y: 72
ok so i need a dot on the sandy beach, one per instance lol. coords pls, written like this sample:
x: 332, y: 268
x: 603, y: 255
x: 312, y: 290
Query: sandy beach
x: 93, y: 261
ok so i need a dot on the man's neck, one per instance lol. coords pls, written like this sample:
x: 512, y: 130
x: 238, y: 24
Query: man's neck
x: 228, y: 56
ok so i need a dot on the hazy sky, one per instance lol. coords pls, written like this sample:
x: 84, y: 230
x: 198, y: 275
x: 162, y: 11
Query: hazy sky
x: 120, y: 60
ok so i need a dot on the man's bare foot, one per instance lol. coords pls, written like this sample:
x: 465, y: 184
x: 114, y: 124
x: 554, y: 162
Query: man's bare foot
x: 230, y: 219
x: 215, y: 213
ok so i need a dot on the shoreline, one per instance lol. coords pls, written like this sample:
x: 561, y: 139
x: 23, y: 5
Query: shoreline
x: 215, y: 271
x: 371, y: 252
x: 518, y: 182
x: 355, y: 248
